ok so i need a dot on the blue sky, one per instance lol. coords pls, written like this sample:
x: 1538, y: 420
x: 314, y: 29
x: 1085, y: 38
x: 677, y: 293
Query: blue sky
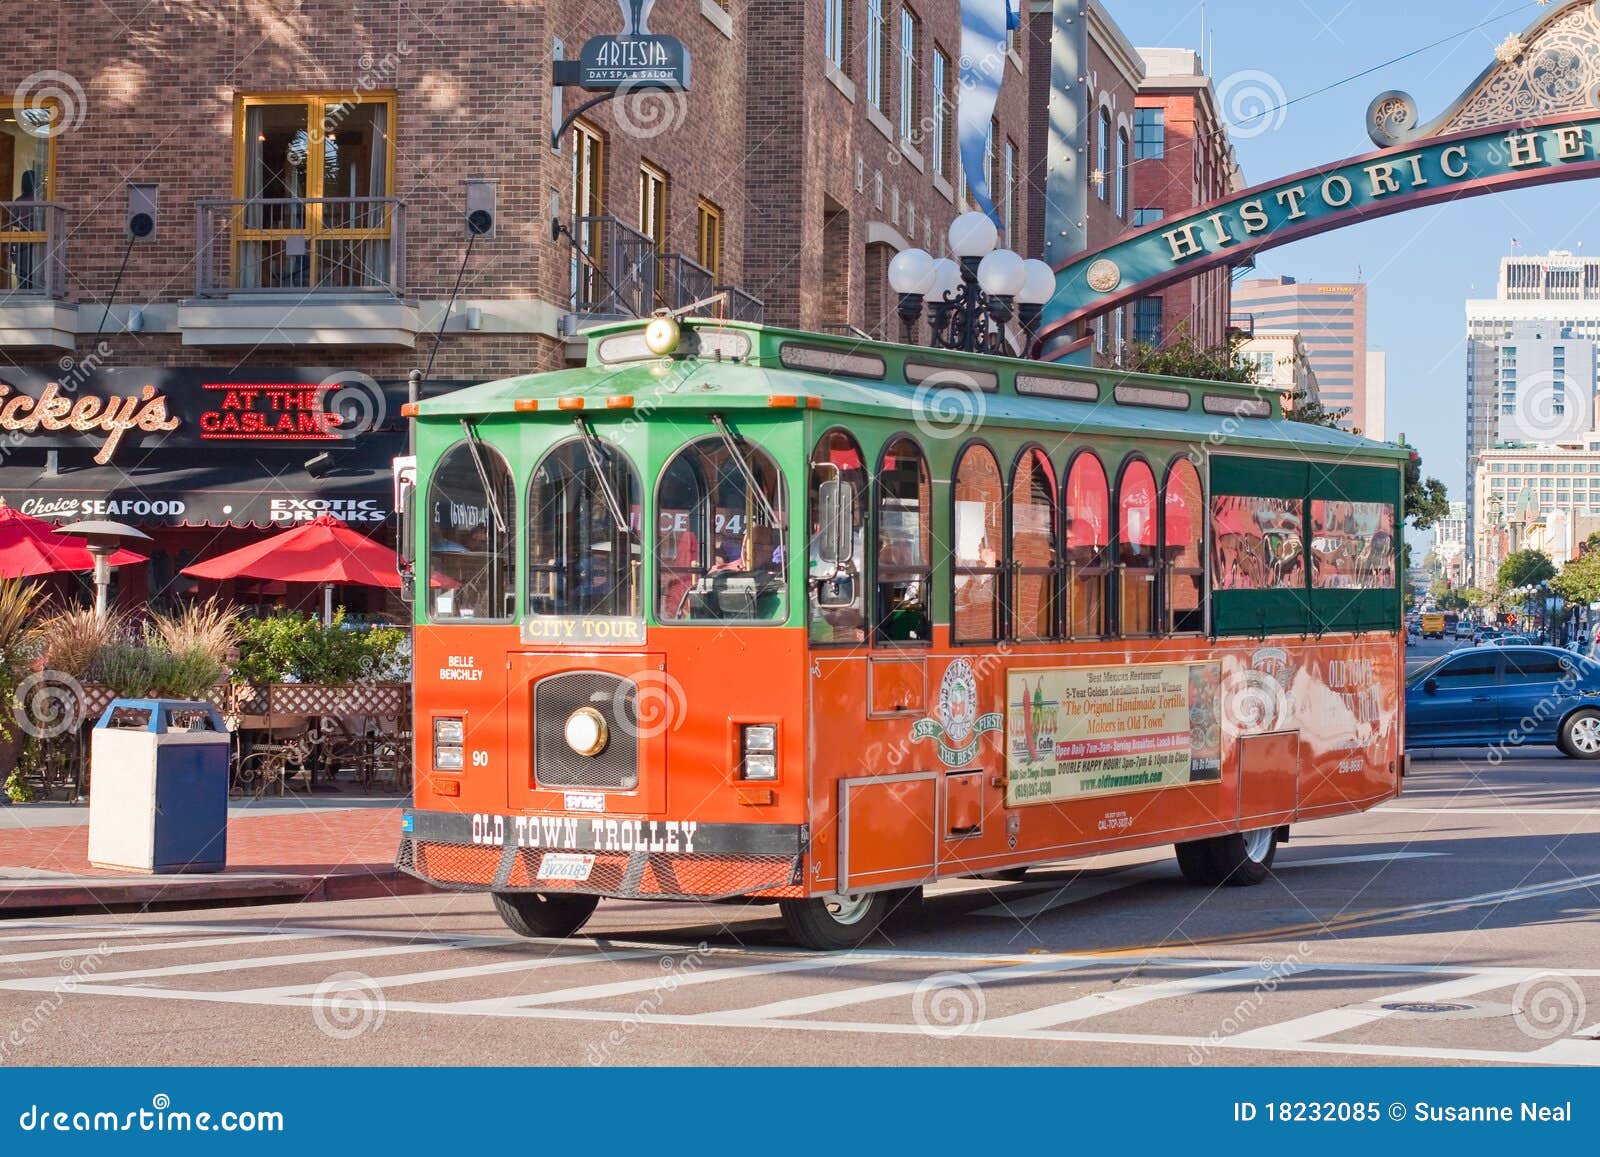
x: 1419, y: 266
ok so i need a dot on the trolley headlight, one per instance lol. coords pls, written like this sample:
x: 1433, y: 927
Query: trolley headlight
x: 758, y: 751
x: 586, y: 731
x: 449, y: 736
x: 661, y: 335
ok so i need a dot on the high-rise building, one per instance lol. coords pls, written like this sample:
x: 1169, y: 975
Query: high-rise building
x: 1544, y: 317
x: 1374, y: 424
x: 1332, y: 320
x: 1450, y: 544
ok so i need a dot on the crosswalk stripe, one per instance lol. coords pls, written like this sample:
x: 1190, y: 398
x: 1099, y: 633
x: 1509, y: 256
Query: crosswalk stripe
x: 667, y: 980
x: 530, y: 964
x: 1118, y: 1000
x: 127, y: 949
x: 826, y: 1001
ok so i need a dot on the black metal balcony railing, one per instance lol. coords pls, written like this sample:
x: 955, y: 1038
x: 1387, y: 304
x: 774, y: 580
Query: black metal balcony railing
x: 300, y: 245
x: 613, y: 269
x: 32, y: 249
x: 741, y: 306
x: 683, y: 282
x: 617, y: 272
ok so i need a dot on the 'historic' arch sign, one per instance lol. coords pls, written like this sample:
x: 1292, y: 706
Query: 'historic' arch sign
x: 1531, y: 118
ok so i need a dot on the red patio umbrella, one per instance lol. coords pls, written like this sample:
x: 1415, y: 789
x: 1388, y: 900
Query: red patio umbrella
x: 30, y: 546
x: 324, y: 551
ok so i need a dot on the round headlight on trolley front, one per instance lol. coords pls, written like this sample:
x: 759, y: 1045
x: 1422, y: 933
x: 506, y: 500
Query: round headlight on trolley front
x: 661, y: 335
x: 586, y: 731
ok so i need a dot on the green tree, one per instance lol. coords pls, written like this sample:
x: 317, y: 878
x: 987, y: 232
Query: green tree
x: 1426, y: 499
x: 1183, y: 357
x: 1525, y: 568
x: 1579, y: 580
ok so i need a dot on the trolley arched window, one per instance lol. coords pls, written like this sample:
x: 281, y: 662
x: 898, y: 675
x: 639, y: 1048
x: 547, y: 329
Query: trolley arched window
x: 721, y: 527
x: 1182, y: 554
x: 583, y: 532
x: 471, y: 507
x: 902, y: 612
x: 1137, y: 530
x: 1086, y: 531
x: 838, y: 588
x: 1034, y: 549
x: 978, y: 535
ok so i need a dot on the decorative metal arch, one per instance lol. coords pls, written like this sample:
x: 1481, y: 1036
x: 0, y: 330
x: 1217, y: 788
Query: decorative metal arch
x: 1530, y: 118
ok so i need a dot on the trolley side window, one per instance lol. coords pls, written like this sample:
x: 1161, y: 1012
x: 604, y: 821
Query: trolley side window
x: 1136, y: 548
x: 1182, y: 541
x: 471, y: 565
x: 722, y: 521
x: 1086, y: 526
x: 1303, y: 547
x: 977, y: 512
x: 837, y: 598
x: 902, y: 613
x: 581, y: 559
x: 1034, y: 549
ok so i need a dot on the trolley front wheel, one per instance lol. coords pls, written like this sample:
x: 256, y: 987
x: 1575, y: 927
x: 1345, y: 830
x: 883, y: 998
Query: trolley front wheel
x: 544, y: 913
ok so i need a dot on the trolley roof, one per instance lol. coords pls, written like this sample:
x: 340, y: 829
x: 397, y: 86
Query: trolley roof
x: 734, y: 365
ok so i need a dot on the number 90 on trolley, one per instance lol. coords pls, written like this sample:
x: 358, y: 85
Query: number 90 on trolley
x: 734, y: 611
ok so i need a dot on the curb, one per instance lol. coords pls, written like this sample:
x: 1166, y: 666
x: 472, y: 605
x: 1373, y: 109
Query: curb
x: 78, y: 897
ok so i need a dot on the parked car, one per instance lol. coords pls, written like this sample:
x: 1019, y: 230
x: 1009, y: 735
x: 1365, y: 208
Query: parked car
x: 1464, y: 628
x: 1515, y: 694
x: 1486, y: 634
x: 1511, y: 641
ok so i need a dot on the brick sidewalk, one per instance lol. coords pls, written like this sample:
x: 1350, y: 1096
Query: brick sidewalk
x: 318, y: 853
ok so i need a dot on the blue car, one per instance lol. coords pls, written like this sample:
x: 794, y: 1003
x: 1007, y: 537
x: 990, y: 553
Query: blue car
x: 1511, y: 695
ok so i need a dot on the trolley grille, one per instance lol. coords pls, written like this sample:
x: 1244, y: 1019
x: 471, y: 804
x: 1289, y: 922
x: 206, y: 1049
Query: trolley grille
x: 557, y: 765
x: 632, y: 875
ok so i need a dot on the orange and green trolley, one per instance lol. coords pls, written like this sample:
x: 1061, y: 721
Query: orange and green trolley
x: 734, y: 611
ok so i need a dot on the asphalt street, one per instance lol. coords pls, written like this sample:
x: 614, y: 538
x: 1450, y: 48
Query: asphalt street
x: 1455, y: 925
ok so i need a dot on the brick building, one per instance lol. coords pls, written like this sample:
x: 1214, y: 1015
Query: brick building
x: 1183, y: 158
x: 314, y: 166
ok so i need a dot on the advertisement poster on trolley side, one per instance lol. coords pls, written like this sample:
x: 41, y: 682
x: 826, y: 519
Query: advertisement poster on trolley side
x: 1077, y: 732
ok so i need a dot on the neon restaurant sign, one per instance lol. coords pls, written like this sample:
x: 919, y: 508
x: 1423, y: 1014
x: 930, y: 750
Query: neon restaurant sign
x: 1531, y: 118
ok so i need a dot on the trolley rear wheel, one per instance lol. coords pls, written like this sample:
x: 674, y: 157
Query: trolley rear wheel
x: 1236, y: 860
x: 544, y: 913
x: 829, y: 923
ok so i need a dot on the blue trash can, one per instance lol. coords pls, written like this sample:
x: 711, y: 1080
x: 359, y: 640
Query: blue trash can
x: 158, y: 788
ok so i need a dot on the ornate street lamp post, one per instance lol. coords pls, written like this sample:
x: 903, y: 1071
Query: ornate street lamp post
x: 972, y: 299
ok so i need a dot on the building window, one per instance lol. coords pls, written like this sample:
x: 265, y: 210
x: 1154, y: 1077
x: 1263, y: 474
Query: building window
x: 710, y: 246
x: 910, y: 88
x: 653, y: 205
x: 877, y: 53
x: 1149, y: 133
x: 1123, y: 174
x: 316, y: 172
x: 1147, y: 320
x: 991, y: 158
x: 939, y: 145
x: 587, y: 194
x: 1102, y: 169
x: 1148, y: 216
x: 1008, y: 194
x: 27, y: 175
x: 833, y: 33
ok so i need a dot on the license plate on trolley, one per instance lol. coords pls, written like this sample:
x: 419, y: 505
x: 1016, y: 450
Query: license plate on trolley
x: 565, y: 866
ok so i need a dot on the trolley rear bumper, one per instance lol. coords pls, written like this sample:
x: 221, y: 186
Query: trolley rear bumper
x: 622, y: 858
